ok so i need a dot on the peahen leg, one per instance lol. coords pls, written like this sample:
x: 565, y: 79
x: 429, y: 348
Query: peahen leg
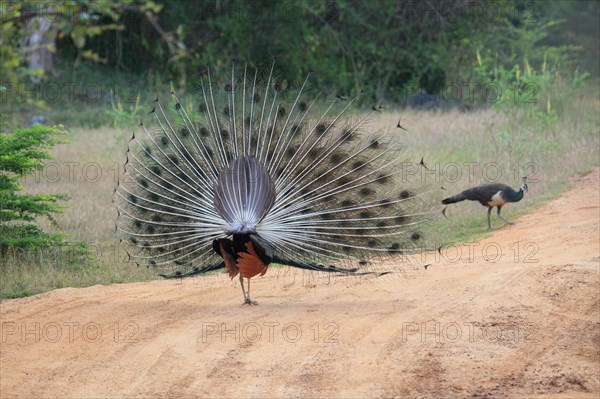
x: 489, y: 222
x: 500, y: 216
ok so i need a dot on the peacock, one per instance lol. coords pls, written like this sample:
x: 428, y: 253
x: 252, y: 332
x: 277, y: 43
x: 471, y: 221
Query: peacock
x: 490, y: 195
x: 255, y: 172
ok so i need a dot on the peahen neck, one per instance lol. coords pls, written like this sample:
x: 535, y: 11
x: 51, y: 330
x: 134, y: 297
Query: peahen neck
x: 515, y: 196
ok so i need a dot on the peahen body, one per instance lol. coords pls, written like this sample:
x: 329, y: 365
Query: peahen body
x: 490, y: 195
x: 257, y: 173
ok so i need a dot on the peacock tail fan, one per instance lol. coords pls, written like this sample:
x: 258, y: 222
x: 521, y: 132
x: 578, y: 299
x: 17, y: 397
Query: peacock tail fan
x: 298, y: 170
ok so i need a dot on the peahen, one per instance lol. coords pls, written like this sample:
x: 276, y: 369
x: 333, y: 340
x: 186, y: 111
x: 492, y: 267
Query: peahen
x: 256, y: 173
x: 490, y: 195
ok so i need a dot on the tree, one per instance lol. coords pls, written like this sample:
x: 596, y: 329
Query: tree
x: 21, y: 153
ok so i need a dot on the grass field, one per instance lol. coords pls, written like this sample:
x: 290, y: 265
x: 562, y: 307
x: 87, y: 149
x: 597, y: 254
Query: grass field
x: 460, y: 149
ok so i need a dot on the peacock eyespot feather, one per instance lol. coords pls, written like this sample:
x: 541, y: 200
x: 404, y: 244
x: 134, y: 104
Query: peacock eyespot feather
x: 203, y: 132
x: 148, y: 151
x: 137, y: 224
x: 228, y: 87
x: 156, y: 170
x: 151, y: 229
x: 366, y: 191
x: 156, y: 218
x: 365, y: 215
x: 385, y: 203
x: 256, y: 98
x: 395, y: 246
x: 347, y: 135
x: 143, y: 183
x: 225, y: 133
x: 372, y: 244
x: 184, y: 132
x: 381, y: 224
x: 164, y: 141
x: 336, y: 158
x: 382, y: 179
x: 202, y: 108
x: 327, y: 216
x: 174, y: 160
x: 154, y: 197
x: 226, y: 111
x: 415, y: 236
x: 321, y: 128
x: 405, y: 194
x: 362, y: 262
x: 358, y: 164
x: 343, y: 181
x: 302, y: 106
x: 347, y: 249
x: 313, y: 153
x: 401, y: 219
x: 166, y: 185
x: 374, y: 144
x: 348, y: 203
x: 290, y: 151
x: 281, y: 112
x: 133, y: 198
x: 296, y: 130
x: 133, y: 240
x: 278, y: 87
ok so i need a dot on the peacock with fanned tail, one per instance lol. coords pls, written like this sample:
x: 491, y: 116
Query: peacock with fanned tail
x: 258, y: 173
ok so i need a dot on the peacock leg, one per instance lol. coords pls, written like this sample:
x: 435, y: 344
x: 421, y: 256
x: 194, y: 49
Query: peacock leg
x: 248, y: 300
x: 243, y: 289
x: 489, y: 222
x: 500, y: 216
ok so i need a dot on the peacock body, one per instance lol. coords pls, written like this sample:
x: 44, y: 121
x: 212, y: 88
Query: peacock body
x: 256, y: 173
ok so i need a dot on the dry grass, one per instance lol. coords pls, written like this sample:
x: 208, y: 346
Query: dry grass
x: 448, y: 141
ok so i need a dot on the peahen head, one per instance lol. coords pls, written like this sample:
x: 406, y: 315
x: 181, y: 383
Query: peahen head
x: 524, y: 187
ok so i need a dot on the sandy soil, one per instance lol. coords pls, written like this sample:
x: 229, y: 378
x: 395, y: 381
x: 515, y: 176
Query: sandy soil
x: 517, y: 315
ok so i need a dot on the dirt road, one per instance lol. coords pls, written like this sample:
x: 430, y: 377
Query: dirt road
x: 517, y: 315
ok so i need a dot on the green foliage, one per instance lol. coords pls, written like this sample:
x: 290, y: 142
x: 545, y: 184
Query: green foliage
x: 21, y: 153
x: 385, y: 50
x: 124, y: 115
